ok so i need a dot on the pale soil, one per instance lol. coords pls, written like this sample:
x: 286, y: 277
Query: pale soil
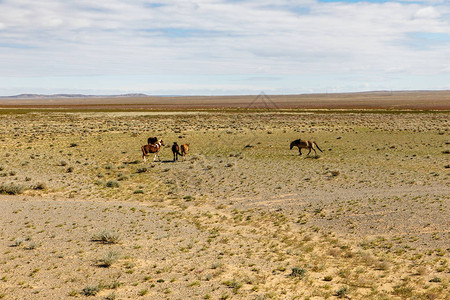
x: 370, y: 214
x: 406, y: 100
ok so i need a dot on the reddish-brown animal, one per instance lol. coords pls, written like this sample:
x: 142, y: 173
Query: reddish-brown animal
x: 152, y: 148
x: 305, y: 144
x: 184, y: 150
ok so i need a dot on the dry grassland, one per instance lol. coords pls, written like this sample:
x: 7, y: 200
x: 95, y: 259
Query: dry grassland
x: 243, y: 217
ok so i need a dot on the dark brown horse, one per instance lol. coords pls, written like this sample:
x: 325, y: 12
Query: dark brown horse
x: 152, y: 148
x: 175, y: 151
x: 305, y: 144
x: 152, y: 140
x: 179, y: 150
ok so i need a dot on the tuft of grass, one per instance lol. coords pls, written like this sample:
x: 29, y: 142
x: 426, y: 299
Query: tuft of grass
x: 342, y: 292
x: 18, y: 242
x: 298, y: 272
x: 111, y: 296
x: 90, y: 290
x: 112, y: 184
x: 109, y: 259
x: 40, y: 186
x: 12, y: 189
x: 141, y: 170
x: 107, y: 237
x: 233, y: 284
x: 403, y: 290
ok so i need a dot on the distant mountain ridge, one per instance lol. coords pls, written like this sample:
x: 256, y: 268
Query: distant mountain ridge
x: 53, y: 96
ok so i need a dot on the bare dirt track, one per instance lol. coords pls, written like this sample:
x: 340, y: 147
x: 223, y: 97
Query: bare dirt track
x: 242, y: 217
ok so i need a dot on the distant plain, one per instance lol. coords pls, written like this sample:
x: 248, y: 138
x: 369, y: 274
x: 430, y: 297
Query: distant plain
x: 242, y: 217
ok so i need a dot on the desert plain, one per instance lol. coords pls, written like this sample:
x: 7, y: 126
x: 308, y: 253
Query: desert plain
x: 241, y: 216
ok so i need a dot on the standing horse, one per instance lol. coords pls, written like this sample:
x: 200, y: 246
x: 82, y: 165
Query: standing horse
x: 153, y: 148
x: 305, y: 144
x: 184, y: 150
x: 175, y: 151
x: 152, y: 140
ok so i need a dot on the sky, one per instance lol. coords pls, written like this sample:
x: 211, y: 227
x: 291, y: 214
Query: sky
x: 223, y: 47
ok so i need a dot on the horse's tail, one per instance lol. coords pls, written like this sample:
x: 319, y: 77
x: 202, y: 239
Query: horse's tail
x: 318, y: 147
x: 176, y: 150
x: 292, y: 145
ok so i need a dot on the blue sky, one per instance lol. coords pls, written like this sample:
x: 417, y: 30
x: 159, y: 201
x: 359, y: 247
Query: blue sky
x: 223, y: 47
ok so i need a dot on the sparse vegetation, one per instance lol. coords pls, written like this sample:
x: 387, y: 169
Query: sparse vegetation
x: 107, y: 237
x: 12, y: 189
x: 90, y: 290
x: 108, y: 259
x: 363, y: 220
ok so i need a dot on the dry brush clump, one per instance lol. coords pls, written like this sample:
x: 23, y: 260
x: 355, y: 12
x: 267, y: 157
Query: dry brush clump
x: 12, y: 188
x: 107, y: 237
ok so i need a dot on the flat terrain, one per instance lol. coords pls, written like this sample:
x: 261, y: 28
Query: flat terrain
x: 242, y: 217
x: 406, y: 100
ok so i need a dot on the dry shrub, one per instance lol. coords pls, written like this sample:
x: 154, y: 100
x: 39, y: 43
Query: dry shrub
x: 12, y: 189
x: 107, y: 237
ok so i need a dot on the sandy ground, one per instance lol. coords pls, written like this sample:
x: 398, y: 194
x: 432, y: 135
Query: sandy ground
x: 406, y: 100
x: 242, y: 217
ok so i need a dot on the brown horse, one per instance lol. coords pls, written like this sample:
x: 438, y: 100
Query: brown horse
x: 305, y: 144
x: 175, y: 151
x: 184, y: 150
x: 152, y: 140
x: 153, y: 148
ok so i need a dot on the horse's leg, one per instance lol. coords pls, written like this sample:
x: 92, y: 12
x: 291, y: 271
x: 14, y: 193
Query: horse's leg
x: 309, y: 151
x: 300, y: 150
x: 315, y: 152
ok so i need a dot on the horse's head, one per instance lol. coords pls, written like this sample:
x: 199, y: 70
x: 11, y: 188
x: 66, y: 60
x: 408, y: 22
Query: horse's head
x: 292, y: 145
x: 162, y: 143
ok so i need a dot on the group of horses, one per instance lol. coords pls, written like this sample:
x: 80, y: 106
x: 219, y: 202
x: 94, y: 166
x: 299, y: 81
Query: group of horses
x: 154, y: 146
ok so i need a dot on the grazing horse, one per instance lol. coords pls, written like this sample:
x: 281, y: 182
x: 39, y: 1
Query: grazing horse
x: 152, y: 148
x: 152, y: 140
x: 305, y: 144
x: 175, y: 151
x: 184, y: 150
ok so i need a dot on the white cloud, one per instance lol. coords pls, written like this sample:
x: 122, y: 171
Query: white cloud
x: 218, y: 37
